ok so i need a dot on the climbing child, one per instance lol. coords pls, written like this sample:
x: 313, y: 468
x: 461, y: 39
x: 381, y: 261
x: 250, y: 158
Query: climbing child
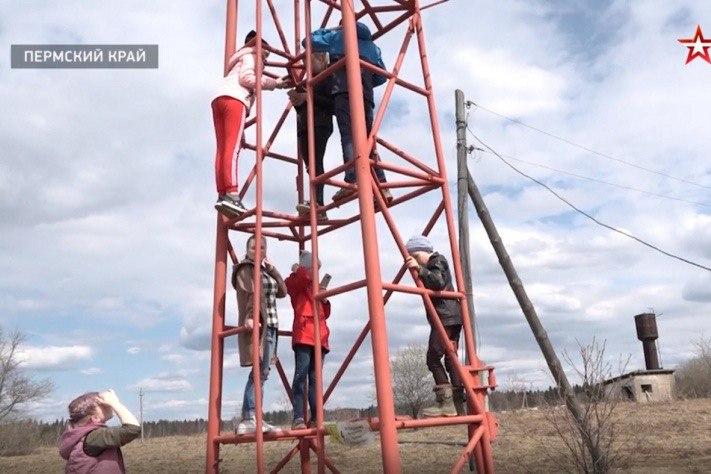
x: 330, y: 40
x: 323, y: 125
x: 230, y: 109
x: 434, y: 272
x: 272, y: 287
x: 303, y: 339
x: 88, y: 445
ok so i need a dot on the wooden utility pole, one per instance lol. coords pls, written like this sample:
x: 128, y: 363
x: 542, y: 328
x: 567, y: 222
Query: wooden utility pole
x: 462, y: 202
x: 463, y: 221
x: 140, y: 409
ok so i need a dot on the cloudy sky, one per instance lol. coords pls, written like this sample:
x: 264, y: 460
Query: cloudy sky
x: 106, y: 191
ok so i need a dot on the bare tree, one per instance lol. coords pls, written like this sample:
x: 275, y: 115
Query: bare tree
x: 693, y: 377
x: 410, y: 379
x: 599, y: 410
x: 17, y: 389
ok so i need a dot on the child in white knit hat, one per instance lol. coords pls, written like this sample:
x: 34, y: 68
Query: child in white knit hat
x: 434, y: 272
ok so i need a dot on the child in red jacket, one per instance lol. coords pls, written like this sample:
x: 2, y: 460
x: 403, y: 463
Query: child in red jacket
x: 298, y: 284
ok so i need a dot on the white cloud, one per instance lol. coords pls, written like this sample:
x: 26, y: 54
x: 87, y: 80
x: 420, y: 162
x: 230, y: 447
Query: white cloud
x: 21, y: 305
x: 133, y: 350
x: 196, y: 337
x: 551, y: 298
x: 47, y: 409
x: 174, y: 403
x: 91, y: 371
x: 173, y: 358
x: 698, y: 289
x: 231, y: 363
x: 164, y: 383
x: 52, y: 357
x: 180, y: 404
x: 511, y: 85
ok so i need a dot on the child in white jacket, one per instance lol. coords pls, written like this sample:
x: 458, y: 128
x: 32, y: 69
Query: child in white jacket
x: 229, y: 111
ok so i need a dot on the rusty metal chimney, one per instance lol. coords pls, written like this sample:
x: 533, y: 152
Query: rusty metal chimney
x: 646, y: 324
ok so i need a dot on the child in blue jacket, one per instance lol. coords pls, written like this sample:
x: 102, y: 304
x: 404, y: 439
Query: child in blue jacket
x: 330, y: 40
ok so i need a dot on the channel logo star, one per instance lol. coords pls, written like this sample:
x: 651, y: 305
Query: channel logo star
x: 698, y: 46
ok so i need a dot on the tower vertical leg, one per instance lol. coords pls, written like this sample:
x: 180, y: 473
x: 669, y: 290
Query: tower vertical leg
x: 217, y: 349
x: 311, y: 150
x: 300, y: 166
x: 258, y: 250
x: 483, y: 452
x: 381, y: 359
x: 304, y: 456
x: 230, y: 32
x: 214, y: 404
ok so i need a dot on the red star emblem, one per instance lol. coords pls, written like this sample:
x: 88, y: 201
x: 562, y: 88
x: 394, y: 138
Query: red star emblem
x: 698, y: 46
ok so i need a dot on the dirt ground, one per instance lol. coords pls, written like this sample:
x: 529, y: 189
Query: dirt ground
x: 657, y: 438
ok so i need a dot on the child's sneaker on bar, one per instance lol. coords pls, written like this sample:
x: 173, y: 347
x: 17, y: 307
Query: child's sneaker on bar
x: 343, y: 193
x: 303, y: 208
x: 246, y: 427
x: 230, y: 204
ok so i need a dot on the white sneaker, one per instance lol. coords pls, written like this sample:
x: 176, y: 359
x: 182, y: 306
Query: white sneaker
x: 246, y: 426
x: 266, y: 427
x: 250, y: 426
x: 230, y: 204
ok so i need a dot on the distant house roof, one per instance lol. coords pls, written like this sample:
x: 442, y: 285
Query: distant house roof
x: 639, y: 372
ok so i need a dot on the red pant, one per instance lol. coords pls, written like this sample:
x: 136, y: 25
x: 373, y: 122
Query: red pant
x: 229, y: 116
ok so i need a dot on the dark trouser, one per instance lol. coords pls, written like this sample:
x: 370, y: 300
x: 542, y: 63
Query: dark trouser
x: 322, y: 131
x: 343, y: 118
x: 305, y: 366
x: 435, y: 352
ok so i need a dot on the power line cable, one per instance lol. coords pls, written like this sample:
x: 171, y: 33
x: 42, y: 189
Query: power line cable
x: 601, y: 181
x: 588, y: 149
x: 589, y: 216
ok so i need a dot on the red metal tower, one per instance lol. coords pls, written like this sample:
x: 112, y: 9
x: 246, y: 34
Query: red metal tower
x: 420, y: 178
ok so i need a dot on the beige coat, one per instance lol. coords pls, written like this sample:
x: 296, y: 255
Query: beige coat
x: 243, y: 284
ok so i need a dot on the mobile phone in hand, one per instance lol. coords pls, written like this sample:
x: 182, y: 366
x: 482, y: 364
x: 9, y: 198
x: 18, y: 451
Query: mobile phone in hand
x: 325, y: 281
